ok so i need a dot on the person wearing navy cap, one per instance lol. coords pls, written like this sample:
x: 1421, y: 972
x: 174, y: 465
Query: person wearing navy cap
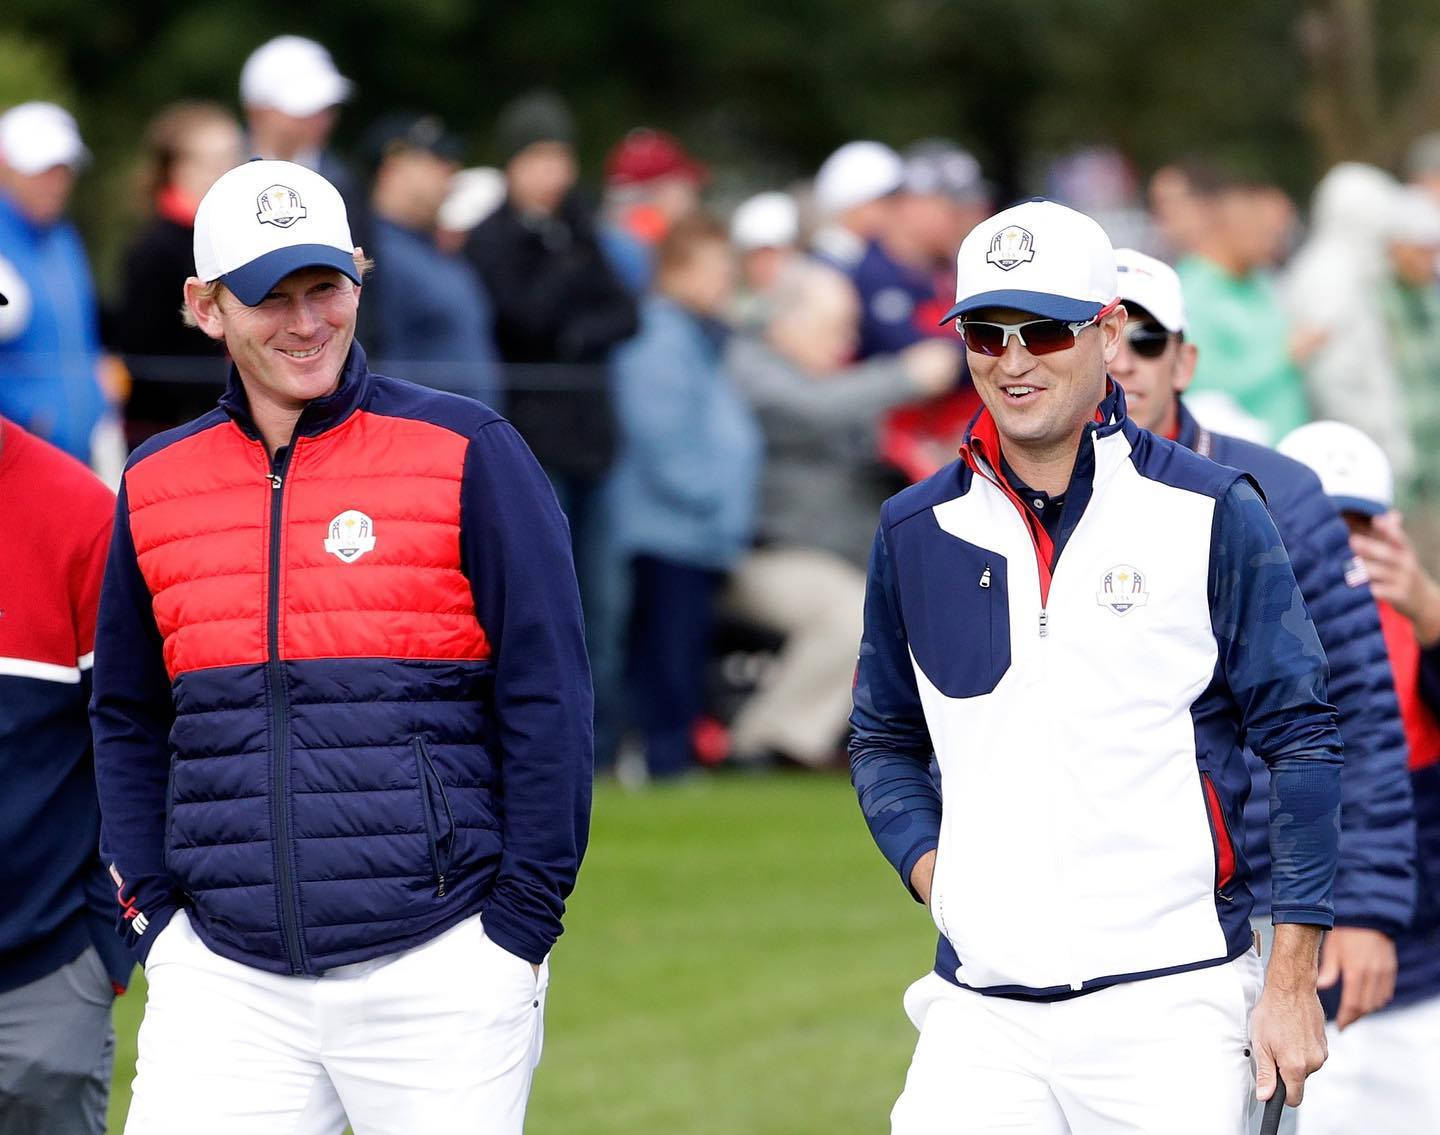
x: 1086, y: 624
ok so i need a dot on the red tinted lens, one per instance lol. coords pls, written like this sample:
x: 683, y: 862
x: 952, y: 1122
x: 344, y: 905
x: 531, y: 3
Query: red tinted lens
x: 984, y: 338
x: 1046, y: 335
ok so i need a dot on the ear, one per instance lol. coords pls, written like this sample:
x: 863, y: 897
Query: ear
x: 205, y: 307
x: 1184, y: 367
x: 1112, y: 327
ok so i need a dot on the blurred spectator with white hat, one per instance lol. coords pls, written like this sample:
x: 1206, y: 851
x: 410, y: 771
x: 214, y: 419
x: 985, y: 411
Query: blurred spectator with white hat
x: 188, y: 146
x: 1331, y: 292
x: 651, y: 183
x: 858, y: 192
x: 1380, y: 1075
x: 436, y: 316
x: 1410, y: 306
x: 291, y: 90
x: 765, y: 234
x: 49, y: 331
x: 474, y: 194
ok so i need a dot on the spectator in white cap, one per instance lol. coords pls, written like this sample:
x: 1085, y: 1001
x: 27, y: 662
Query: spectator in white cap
x: 1085, y: 624
x: 765, y: 234
x: 945, y: 197
x: 49, y: 332
x: 853, y: 198
x: 1410, y: 306
x: 1375, y: 878
x: 1381, y: 1075
x: 291, y: 92
x: 858, y: 190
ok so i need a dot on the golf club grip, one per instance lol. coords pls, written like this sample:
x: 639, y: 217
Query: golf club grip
x: 1270, y: 1124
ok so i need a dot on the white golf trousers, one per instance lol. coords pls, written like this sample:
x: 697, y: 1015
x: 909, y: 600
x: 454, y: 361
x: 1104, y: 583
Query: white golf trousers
x: 1168, y: 1054
x: 440, y: 1038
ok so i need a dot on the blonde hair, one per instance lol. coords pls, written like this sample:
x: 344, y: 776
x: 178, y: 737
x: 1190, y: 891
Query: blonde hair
x: 211, y: 290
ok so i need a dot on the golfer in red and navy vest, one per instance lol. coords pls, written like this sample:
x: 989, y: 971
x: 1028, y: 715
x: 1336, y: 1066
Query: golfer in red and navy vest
x: 342, y: 715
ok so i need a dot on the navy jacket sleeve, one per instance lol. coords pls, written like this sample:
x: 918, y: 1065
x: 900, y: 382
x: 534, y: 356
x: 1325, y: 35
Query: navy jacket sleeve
x: 1375, y: 879
x: 131, y: 713
x: 1271, y: 659
x: 516, y: 554
x: 890, y: 746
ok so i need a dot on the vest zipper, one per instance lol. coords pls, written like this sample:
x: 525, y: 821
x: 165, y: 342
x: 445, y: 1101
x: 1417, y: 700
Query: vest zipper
x: 280, y: 725
x: 1044, y: 623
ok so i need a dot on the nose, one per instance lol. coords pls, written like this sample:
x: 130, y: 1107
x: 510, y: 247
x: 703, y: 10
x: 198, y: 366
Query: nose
x: 303, y: 322
x: 1016, y: 360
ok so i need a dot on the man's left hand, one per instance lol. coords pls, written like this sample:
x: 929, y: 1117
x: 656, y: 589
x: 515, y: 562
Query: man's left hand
x: 1364, y: 960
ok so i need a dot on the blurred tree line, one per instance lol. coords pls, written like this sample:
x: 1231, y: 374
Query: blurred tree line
x: 764, y: 90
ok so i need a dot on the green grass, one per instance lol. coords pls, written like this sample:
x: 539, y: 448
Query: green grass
x: 733, y: 962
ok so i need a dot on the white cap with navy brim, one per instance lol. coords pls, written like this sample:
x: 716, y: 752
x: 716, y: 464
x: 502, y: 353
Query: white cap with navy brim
x: 265, y: 219
x: 1353, y: 469
x: 1152, y: 284
x: 1040, y: 257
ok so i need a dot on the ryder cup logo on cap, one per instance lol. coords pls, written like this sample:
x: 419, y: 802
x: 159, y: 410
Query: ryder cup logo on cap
x: 266, y: 219
x: 1038, y: 257
x: 1146, y: 282
x: 279, y: 205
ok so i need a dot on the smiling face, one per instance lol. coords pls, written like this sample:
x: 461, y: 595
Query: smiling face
x: 290, y: 347
x: 1152, y: 385
x: 1041, y: 403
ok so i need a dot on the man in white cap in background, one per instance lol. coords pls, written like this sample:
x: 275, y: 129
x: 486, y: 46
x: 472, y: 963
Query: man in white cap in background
x: 292, y: 91
x: 1085, y: 624
x: 858, y: 194
x: 49, y: 331
x: 342, y: 716
x: 765, y: 234
x: 1381, y: 1071
x: 1375, y: 879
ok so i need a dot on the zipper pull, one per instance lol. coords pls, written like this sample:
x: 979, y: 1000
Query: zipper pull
x: 274, y: 479
x: 985, y: 577
x: 1044, y: 622
x: 440, y: 886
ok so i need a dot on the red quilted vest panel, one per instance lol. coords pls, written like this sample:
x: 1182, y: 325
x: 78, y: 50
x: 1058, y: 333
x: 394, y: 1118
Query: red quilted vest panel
x: 370, y: 546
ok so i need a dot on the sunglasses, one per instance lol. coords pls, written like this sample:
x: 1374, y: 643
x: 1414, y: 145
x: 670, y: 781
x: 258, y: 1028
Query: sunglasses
x: 1038, y: 336
x: 1147, y: 340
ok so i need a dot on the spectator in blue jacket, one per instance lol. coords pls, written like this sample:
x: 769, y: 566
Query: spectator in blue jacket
x: 50, y: 330
x: 433, y: 314
x: 1375, y: 880
x: 685, y: 487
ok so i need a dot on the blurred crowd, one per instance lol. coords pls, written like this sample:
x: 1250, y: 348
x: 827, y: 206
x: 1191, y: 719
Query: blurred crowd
x: 722, y: 391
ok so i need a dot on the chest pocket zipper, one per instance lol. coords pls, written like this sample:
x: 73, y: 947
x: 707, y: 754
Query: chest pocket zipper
x: 439, y: 821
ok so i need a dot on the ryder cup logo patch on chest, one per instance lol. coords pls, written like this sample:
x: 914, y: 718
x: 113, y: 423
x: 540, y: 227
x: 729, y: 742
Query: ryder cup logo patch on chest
x: 279, y: 205
x: 1010, y: 248
x: 1123, y: 588
x: 352, y: 534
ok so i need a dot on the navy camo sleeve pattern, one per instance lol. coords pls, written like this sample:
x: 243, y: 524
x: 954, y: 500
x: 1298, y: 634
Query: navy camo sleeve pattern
x: 890, y: 747
x: 1272, y: 661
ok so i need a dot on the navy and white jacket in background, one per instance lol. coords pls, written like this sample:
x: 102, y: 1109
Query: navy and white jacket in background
x: 1375, y: 878
x: 1088, y: 702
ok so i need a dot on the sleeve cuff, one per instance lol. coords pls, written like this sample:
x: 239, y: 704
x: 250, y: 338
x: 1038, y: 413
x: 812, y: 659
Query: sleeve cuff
x: 502, y: 929
x: 912, y: 857
x: 155, y: 923
x: 1303, y: 916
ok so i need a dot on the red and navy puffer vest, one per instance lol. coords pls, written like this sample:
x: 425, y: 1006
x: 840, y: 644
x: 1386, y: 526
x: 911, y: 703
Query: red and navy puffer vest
x: 349, y: 768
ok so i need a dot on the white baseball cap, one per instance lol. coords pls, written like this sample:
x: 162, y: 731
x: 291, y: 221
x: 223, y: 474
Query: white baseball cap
x: 1353, y: 469
x: 294, y: 75
x: 265, y: 219
x: 1153, y: 285
x: 767, y: 220
x: 36, y: 136
x: 856, y: 174
x: 1040, y: 257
